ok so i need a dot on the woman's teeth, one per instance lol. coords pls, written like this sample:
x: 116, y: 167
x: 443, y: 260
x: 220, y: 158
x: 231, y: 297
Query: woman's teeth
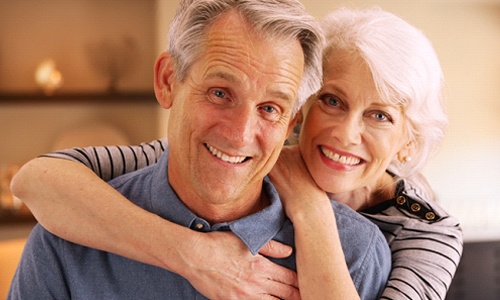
x: 346, y: 160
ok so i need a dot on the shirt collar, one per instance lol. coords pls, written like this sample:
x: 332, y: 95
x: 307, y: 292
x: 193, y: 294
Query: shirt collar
x: 254, y: 230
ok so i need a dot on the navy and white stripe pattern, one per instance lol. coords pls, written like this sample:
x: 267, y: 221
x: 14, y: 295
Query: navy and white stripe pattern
x: 425, y: 241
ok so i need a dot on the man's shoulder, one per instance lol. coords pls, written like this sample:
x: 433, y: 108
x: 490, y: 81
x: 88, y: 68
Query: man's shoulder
x: 366, y: 251
x: 357, y: 233
x: 133, y: 178
x: 346, y: 215
x: 143, y: 174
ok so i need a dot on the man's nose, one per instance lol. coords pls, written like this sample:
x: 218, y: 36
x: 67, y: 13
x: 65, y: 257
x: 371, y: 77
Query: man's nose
x: 241, y: 127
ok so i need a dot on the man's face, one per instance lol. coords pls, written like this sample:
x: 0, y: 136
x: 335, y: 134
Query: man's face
x: 230, y: 117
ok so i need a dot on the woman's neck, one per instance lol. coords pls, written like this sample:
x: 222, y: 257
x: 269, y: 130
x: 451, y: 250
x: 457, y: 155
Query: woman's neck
x: 381, y: 190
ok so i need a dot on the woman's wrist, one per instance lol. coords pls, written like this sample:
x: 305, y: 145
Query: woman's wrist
x: 303, y: 208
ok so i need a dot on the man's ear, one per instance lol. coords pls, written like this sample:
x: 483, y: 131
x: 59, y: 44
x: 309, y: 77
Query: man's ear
x: 300, y: 116
x: 292, y: 123
x: 164, y: 79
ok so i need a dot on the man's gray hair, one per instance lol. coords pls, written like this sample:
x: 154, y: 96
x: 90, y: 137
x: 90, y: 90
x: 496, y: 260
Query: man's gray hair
x: 284, y: 19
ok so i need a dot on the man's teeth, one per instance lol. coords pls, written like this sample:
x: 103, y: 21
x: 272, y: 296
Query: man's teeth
x: 225, y: 157
x: 352, y: 161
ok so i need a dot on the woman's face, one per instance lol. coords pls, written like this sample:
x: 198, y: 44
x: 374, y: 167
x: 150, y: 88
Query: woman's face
x: 349, y: 135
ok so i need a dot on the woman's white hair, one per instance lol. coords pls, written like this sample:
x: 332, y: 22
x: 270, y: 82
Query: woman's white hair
x: 406, y: 72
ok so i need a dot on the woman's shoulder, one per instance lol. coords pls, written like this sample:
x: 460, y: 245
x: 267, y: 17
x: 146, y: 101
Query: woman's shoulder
x: 410, y: 211
x: 410, y: 202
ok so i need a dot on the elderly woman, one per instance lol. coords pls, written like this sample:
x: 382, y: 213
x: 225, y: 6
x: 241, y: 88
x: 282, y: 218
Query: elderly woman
x: 364, y: 138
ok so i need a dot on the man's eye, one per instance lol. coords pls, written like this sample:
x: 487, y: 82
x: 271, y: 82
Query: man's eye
x: 269, y: 109
x: 219, y: 93
x: 219, y: 96
x: 271, y: 112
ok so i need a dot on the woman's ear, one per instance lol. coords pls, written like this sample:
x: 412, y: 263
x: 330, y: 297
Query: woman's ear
x: 404, y: 155
x: 164, y: 79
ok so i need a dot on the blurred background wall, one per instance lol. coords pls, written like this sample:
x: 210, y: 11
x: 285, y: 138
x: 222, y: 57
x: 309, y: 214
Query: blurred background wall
x: 465, y: 34
x: 88, y: 41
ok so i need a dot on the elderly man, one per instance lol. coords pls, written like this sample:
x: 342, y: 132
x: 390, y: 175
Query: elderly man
x: 232, y: 78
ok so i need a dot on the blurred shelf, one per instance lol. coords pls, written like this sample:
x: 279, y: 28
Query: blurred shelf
x: 77, y: 97
x: 14, y: 218
x: 15, y: 230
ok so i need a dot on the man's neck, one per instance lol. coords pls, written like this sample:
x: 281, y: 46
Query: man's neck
x: 220, y: 213
x: 221, y: 208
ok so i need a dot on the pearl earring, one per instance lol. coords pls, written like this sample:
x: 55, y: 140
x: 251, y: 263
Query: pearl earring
x: 407, y: 159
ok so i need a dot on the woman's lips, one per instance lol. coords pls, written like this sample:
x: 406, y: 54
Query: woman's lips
x: 342, y: 159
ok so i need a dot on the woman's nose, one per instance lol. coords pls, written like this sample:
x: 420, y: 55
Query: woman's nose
x: 349, y: 131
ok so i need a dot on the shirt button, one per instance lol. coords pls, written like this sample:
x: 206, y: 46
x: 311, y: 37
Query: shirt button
x: 199, y: 226
x: 415, y: 207
x: 401, y: 200
x: 430, y: 216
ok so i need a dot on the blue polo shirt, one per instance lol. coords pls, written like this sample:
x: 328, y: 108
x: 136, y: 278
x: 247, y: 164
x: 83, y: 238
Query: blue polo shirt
x: 53, y: 268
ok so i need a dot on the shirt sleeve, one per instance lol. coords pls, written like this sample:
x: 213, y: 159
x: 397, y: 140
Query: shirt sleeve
x: 40, y: 273
x: 425, y: 257
x: 109, y: 162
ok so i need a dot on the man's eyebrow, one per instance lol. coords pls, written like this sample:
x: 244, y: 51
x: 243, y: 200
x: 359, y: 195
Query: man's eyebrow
x: 237, y: 81
x: 281, y: 95
x: 225, y: 76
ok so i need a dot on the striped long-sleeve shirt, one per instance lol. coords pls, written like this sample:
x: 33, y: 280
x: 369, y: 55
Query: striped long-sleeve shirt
x: 425, y: 241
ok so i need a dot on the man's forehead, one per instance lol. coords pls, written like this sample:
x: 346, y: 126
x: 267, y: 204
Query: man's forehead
x: 232, y: 48
x: 274, y: 91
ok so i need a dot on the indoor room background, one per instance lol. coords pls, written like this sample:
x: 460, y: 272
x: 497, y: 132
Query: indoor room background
x: 71, y: 34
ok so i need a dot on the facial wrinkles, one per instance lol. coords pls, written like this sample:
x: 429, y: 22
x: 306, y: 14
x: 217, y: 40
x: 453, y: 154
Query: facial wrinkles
x: 285, y: 76
x: 284, y: 70
x: 287, y: 70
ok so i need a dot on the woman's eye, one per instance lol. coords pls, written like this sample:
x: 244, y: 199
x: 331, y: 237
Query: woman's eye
x: 330, y: 100
x: 381, y: 116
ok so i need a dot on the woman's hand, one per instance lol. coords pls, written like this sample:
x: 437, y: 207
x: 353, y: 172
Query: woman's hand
x: 297, y: 189
x: 220, y: 266
x: 321, y: 266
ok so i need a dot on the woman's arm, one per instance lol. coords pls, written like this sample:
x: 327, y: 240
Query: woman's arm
x: 425, y: 254
x: 108, y: 162
x: 321, y: 267
x: 71, y: 201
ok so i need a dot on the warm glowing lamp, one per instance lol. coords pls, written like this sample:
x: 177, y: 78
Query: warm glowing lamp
x: 48, y: 77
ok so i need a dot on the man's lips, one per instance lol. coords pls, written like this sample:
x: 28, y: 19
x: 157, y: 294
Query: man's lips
x: 225, y: 157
